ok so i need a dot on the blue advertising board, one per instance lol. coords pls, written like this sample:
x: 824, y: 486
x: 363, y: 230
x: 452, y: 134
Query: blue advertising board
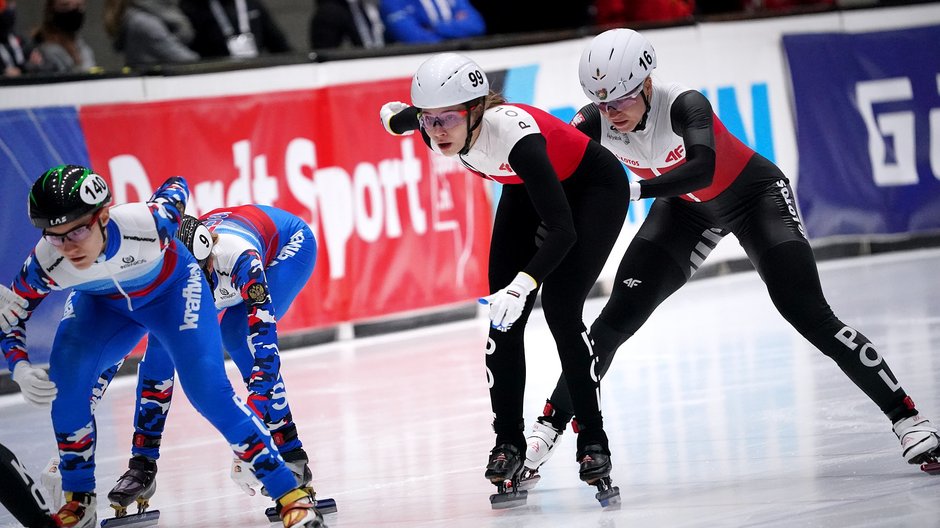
x: 868, y: 130
x: 31, y: 141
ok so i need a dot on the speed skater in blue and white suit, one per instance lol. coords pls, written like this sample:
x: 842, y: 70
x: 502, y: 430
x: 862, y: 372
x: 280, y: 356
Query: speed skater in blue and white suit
x: 257, y: 259
x: 129, y: 277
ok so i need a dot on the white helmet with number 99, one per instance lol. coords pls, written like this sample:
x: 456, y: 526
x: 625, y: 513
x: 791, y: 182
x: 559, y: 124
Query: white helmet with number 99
x: 447, y: 79
x: 615, y: 64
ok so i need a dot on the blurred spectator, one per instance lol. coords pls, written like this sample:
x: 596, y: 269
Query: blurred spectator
x: 620, y: 12
x: 787, y: 4
x: 356, y: 23
x: 13, y: 52
x: 714, y: 7
x: 429, y: 21
x: 60, y: 47
x: 149, y: 32
x: 718, y: 7
x: 509, y: 16
x: 233, y: 28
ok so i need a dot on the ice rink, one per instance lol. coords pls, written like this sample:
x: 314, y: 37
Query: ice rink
x: 719, y: 414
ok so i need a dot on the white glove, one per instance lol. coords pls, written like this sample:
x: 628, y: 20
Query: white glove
x: 388, y: 111
x: 507, y: 304
x: 12, y: 309
x: 243, y: 476
x: 34, y: 384
x: 51, y: 481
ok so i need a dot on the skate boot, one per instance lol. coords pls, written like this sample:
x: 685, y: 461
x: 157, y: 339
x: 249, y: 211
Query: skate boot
x: 298, y: 510
x: 503, y: 470
x: 137, y: 484
x: 595, y: 470
x: 919, y: 442
x: 540, y: 444
x: 298, y: 462
x: 78, y: 511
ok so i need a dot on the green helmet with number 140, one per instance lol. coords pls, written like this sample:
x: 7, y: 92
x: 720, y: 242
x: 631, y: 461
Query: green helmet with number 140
x: 66, y: 193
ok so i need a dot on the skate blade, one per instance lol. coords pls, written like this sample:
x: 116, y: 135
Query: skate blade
x: 500, y: 501
x: 529, y: 479
x: 324, y: 506
x: 932, y: 467
x: 609, y: 499
x: 149, y: 518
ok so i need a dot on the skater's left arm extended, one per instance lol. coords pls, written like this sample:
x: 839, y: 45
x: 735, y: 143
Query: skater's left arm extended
x: 32, y: 284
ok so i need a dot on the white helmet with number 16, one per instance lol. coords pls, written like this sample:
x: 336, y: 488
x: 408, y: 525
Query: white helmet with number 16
x: 615, y: 64
x: 447, y: 79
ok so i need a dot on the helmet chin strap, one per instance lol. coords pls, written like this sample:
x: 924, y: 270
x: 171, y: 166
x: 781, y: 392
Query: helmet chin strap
x: 104, y: 236
x: 642, y: 124
x: 471, y: 126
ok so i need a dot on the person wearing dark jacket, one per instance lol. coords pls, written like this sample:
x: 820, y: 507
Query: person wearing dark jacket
x: 13, y: 50
x: 233, y: 28
x: 149, y: 32
x: 355, y: 23
x: 427, y: 22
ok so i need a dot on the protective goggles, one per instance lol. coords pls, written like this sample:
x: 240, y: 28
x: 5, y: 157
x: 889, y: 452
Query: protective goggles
x: 446, y: 120
x: 76, y: 234
x: 621, y: 103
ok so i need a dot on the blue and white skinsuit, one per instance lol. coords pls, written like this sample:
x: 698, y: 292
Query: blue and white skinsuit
x: 144, y: 281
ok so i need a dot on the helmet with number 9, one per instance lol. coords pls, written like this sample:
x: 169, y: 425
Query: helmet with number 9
x: 196, y: 237
x: 615, y: 64
x: 66, y: 193
x: 447, y: 79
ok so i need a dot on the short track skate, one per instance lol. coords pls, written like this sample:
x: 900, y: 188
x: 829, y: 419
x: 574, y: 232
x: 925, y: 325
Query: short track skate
x: 508, y: 495
x: 141, y: 520
x: 137, y: 484
x: 503, y: 470
x: 607, y: 494
x: 595, y: 471
x: 323, y: 506
x: 931, y: 465
x: 529, y: 478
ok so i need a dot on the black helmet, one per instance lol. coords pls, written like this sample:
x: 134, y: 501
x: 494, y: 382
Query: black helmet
x: 66, y: 193
x: 197, y: 238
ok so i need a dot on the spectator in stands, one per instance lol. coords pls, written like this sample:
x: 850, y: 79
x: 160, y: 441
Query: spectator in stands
x: 149, y: 32
x: 719, y: 7
x: 355, y: 23
x: 430, y: 21
x: 715, y: 7
x: 13, y: 52
x: 788, y: 4
x: 61, y: 48
x: 502, y: 16
x: 233, y: 28
x: 623, y: 12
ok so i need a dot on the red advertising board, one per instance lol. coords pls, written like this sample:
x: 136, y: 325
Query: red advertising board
x: 399, y: 227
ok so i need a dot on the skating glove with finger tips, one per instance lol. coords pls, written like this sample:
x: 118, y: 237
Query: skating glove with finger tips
x: 390, y: 110
x: 51, y: 480
x: 507, y: 304
x: 34, y: 384
x: 12, y: 309
x: 242, y: 476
